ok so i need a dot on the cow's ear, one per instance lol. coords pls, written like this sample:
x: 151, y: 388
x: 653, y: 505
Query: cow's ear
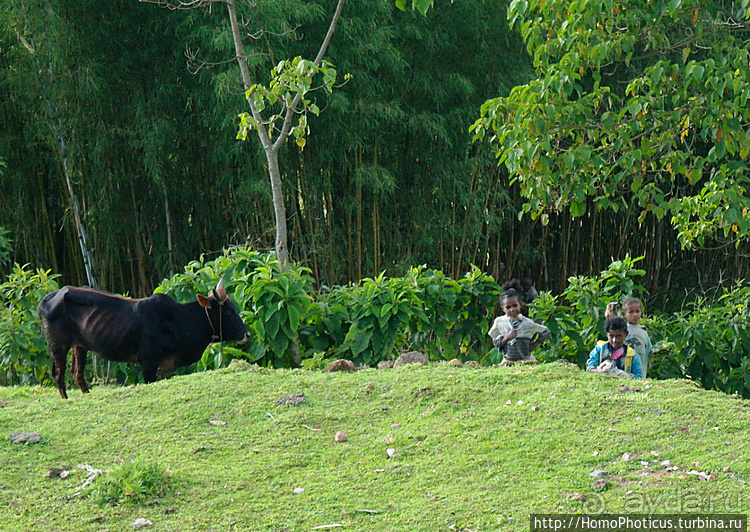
x: 204, y: 301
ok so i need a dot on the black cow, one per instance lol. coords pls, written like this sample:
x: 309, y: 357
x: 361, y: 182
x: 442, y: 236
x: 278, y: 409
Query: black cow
x: 157, y: 333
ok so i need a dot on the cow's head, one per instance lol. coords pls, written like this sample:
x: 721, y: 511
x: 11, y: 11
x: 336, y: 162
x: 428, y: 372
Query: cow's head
x: 222, y: 315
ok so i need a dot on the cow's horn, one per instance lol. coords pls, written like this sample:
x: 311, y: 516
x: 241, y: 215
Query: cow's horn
x: 220, y: 292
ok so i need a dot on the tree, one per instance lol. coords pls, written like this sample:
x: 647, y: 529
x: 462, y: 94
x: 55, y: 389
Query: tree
x: 636, y: 105
x: 284, y: 99
x: 41, y: 40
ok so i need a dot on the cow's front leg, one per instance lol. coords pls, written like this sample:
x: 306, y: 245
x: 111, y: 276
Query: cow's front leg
x: 78, y: 368
x: 149, y: 366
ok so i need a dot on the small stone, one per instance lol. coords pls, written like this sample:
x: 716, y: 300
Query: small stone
x: 296, y: 399
x: 599, y: 485
x: 25, y: 437
x: 299, y: 491
x: 666, y: 463
x: 598, y: 474
x: 411, y: 357
x: 455, y: 363
x: 390, y: 452
x: 627, y: 457
x: 534, y: 408
x: 385, y: 364
x: 339, y: 365
x: 700, y: 474
x: 340, y: 436
x: 141, y: 522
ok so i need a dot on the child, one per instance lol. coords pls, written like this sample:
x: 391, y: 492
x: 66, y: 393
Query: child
x: 637, y: 336
x: 514, y: 334
x: 614, y: 356
x: 529, y: 291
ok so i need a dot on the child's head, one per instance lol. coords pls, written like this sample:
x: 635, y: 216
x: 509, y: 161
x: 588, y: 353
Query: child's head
x: 631, y: 310
x: 510, y: 302
x: 617, y: 331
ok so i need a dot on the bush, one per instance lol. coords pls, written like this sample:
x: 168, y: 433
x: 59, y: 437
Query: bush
x: 133, y: 481
x: 457, y: 314
x: 379, y: 318
x: 709, y: 343
x: 23, y: 352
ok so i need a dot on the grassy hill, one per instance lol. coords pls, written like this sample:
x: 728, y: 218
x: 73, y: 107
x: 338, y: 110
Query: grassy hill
x: 428, y: 448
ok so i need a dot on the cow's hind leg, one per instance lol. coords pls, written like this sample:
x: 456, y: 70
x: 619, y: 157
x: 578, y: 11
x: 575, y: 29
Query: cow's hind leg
x: 78, y: 368
x: 58, y: 369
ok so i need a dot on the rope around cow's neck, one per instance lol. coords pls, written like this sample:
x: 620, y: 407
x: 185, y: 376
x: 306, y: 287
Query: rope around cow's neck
x: 220, y: 337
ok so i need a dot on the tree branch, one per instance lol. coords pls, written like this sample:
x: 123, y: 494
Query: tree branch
x: 318, y: 59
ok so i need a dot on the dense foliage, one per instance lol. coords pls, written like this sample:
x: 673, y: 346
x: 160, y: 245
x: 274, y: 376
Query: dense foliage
x: 388, y: 178
x: 24, y: 358
x: 639, y: 105
x: 381, y: 317
x: 366, y: 322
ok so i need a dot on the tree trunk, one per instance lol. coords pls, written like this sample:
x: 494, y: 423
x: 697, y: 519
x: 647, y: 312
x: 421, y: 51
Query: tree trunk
x: 55, y: 122
x: 271, y: 149
x: 168, y: 220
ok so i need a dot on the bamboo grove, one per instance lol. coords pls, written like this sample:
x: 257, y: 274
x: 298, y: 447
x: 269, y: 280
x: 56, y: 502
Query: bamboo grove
x: 122, y: 118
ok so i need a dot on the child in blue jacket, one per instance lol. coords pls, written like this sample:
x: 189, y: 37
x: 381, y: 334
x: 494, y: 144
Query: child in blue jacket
x: 614, y: 357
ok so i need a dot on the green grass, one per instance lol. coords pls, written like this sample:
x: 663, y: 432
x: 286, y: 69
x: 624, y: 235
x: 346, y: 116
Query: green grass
x: 476, y: 449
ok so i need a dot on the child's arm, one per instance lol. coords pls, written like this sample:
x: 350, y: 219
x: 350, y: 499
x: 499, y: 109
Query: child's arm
x: 500, y: 341
x: 593, y: 363
x: 501, y: 332
x: 637, y: 368
x: 542, y: 336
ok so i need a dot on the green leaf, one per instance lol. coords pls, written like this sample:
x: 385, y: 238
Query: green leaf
x: 293, y: 317
x: 361, y: 342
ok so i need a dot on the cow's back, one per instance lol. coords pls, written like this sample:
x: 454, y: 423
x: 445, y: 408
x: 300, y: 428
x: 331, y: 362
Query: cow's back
x: 98, y: 321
